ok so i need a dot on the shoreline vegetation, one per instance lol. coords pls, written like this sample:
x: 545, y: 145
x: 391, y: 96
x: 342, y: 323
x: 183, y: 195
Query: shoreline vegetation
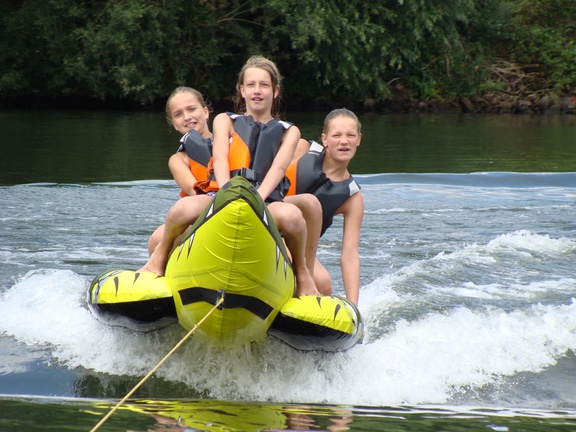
x: 469, y: 56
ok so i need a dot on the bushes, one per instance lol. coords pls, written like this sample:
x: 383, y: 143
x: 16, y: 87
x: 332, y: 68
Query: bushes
x: 134, y: 52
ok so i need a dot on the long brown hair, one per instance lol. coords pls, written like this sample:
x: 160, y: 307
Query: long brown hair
x: 270, y: 67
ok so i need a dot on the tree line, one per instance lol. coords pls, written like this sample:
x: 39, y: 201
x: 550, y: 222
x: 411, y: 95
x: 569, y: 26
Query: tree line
x: 401, y: 54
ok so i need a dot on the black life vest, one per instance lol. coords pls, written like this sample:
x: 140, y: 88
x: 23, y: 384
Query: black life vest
x: 253, y: 147
x: 306, y: 176
x: 199, y: 152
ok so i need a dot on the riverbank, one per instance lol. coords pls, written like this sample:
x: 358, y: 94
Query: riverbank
x: 399, y: 102
x: 490, y: 103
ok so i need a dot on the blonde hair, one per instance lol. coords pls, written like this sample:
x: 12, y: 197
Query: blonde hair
x: 340, y: 112
x: 183, y: 89
x: 270, y: 67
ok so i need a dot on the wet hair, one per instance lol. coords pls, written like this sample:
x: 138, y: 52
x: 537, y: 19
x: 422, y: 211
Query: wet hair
x: 340, y: 112
x: 270, y: 67
x: 183, y: 89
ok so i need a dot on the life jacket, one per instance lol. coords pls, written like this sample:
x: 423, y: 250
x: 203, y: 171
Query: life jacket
x: 253, y: 147
x: 306, y: 176
x: 199, y: 152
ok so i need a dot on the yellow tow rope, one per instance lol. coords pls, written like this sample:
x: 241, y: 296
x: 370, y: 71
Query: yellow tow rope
x: 155, y: 368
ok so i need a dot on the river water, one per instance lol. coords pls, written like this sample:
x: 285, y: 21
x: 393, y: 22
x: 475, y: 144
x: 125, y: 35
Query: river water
x: 468, y: 284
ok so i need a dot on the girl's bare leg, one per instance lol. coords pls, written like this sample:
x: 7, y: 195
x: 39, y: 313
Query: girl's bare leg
x: 155, y: 238
x: 312, y: 213
x: 322, y: 279
x: 179, y: 217
x: 289, y: 220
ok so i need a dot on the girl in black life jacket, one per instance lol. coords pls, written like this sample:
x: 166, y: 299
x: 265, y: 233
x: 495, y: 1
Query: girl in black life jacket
x: 258, y: 98
x: 339, y: 195
x: 188, y: 112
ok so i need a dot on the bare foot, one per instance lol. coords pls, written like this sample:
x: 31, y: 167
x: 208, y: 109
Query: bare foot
x: 305, y: 284
x: 156, y: 263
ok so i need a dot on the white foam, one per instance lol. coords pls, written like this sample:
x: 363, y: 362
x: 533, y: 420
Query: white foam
x: 424, y: 360
x: 524, y: 239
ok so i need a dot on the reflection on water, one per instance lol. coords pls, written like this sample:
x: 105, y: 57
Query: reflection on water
x: 425, y: 143
x: 88, y: 146
x: 462, y: 144
x: 223, y: 416
x: 218, y: 416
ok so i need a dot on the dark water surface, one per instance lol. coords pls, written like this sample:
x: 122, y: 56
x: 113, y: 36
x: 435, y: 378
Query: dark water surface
x: 468, y: 287
x: 87, y: 146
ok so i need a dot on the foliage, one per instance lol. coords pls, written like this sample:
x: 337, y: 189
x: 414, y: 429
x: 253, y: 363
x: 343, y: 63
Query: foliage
x: 136, y: 51
x: 544, y: 43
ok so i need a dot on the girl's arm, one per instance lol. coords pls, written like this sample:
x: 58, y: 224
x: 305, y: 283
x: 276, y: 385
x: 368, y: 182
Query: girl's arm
x: 223, y: 126
x: 301, y: 149
x: 353, y: 212
x: 179, y: 165
x: 280, y: 164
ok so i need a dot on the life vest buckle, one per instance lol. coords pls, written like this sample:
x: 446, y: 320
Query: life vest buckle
x: 249, y: 174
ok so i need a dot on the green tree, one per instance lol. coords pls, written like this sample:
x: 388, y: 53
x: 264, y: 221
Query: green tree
x: 136, y: 51
x: 543, y: 43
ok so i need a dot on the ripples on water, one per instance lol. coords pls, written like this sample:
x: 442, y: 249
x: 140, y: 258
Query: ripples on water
x: 468, y: 293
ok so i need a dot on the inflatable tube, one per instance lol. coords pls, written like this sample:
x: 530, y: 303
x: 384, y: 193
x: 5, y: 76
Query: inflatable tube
x: 319, y: 323
x: 140, y: 296
x: 234, y: 251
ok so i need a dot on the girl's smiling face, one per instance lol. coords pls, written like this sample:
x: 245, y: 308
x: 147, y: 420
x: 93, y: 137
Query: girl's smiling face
x: 187, y: 112
x: 258, y: 91
x: 342, y: 138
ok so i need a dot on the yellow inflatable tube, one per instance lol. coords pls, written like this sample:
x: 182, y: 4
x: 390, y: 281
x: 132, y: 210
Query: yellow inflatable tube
x: 235, y: 252
x: 139, y: 296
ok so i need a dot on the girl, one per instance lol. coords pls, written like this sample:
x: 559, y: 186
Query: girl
x: 188, y: 112
x: 271, y: 145
x: 323, y: 171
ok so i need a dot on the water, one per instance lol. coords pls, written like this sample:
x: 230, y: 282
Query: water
x: 87, y: 146
x: 468, y: 286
